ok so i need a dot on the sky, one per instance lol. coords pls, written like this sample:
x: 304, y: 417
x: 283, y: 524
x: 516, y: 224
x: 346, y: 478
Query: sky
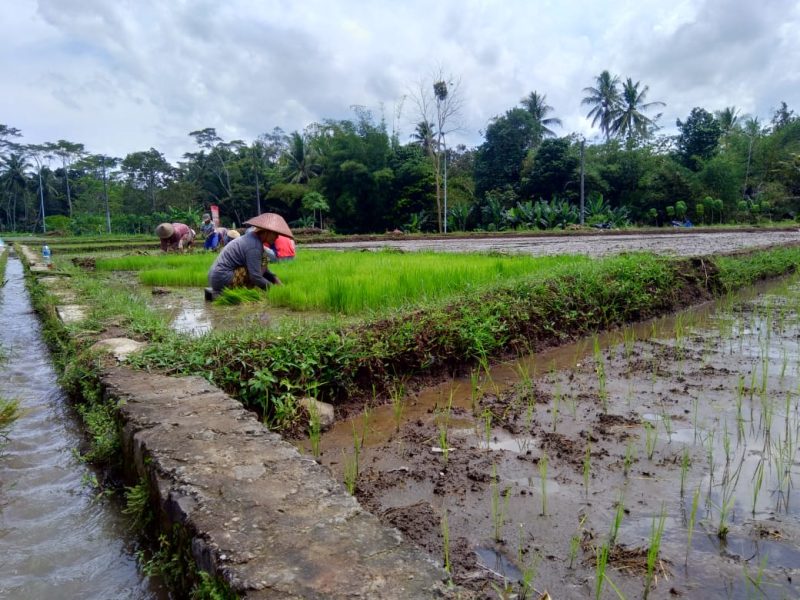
x: 126, y: 75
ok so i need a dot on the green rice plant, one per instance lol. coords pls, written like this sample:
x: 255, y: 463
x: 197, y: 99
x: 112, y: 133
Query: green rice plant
x: 726, y: 442
x: 587, y: 469
x: 756, y: 580
x: 630, y: 456
x: 692, y: 521
x: 739, y: 399
x: 628, y: 341
x: 350, y: 472
x: 710, y: 455
x: 650, y: 437
x: 667, y: 421
x: 358, y: 443
x: 398, y: 394
x: 758, y: 480
x: 575, y: 542
x: 475, y: 390
x: 443, y: 442
x: 234, y: 296
x: 685, y: 462
x: 656, y: 533
x: 498, y: 508
x: 529, y: 572
x: 615, y: 524
x: 543, y: 479
x: 601, y: 577
x: 695, y: 413
x: 448, y: 566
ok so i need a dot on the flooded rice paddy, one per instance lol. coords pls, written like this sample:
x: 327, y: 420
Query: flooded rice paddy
x: 57, y: 540
x: 676, y: 438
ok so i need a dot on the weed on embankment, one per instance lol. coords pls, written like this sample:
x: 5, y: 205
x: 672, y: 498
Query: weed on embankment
x: 268, y: 369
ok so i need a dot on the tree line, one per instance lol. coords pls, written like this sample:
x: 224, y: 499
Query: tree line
x: 355, y: 176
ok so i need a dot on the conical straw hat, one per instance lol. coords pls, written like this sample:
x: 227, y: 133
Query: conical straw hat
x: 271, y: 222
x: 165, y: 230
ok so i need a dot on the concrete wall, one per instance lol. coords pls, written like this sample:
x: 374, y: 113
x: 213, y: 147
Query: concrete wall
x: 269, y: 521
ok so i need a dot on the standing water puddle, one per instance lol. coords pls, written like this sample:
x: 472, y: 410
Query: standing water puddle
x: 556, y: 455
x: 56, y: 539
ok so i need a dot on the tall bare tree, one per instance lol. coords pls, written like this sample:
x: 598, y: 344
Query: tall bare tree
x: 439, y: 102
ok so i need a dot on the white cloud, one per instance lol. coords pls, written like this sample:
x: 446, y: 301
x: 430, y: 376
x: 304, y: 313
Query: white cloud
x: 130, y: 75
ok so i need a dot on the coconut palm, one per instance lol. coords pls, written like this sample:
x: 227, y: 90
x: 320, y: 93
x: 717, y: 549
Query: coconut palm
x: 631, y: 121
x: 604, y: 100
x: 728, y: 119
x: 536, y: 105
x: 423, y: 136
x: 301, y: 159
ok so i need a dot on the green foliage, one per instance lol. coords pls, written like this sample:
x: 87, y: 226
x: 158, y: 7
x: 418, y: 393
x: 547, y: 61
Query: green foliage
x: 137, y: 506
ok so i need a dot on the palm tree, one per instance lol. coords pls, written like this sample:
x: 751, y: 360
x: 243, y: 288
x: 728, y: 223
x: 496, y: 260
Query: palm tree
x: 423, y: 136
x: 14, y: 183
x: 631, y: 120
x: 301, y: 159
x: 536, y: 105
x: 728, y: 119
x: 604, y: 100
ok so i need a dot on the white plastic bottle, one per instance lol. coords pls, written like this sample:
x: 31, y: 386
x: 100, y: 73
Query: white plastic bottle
x: 46, y: 254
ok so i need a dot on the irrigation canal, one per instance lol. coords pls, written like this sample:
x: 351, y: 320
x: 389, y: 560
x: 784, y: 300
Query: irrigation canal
x: 56, y: 539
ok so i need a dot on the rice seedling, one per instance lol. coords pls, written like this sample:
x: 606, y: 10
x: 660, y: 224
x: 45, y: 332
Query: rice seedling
x: 498, y: 508
x: 695, y: 413
x: 758, y: 480
x: 575, y: 542
x: 667, y: 421
x: 350, y: 472
x: 692, y: 521
x: 685, y: 462
x: 529, y: 572
x: 628, y: 341
x: 475, y: 390
x: 756, y: 580
x: 656, y: 533
x: 234, y: 296
x: 615, y: 524
x: 446, y: 543
x: 726, y: 443
x: 443, y: 442
x: 543, y: 480
x: 601, y: 577
x: 630, y: 451
x: 650, y: 437
x: 398, y: 394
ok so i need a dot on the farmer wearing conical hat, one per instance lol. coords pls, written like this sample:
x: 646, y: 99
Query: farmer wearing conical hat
x: 239, y: 263
x: 175, y: 236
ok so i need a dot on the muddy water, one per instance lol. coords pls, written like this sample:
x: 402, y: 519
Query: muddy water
x: 56, y: 539
x: 719, y: 385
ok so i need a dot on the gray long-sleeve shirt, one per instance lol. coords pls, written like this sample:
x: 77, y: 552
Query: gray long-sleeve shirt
x: 244, y: 251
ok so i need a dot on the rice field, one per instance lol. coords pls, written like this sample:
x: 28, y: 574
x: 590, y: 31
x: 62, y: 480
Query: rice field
x: 352, y: 282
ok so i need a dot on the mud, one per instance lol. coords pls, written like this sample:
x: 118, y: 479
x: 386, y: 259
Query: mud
x: 532, y: 462
x: 679, y: 244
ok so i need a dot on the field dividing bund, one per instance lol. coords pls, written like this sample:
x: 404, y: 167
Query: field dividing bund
x: 376, y: 358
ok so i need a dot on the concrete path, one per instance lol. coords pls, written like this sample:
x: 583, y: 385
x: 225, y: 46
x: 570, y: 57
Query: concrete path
x: 271, y: 522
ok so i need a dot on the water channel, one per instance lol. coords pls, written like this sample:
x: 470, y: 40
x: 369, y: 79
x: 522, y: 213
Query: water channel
x: 57, y: 540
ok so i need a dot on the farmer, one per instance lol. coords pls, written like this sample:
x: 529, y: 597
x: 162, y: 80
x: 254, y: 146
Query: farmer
x: 239, y: 263
x: 207, y: 226
x: 216, y: 239
x: 284, y: 248
x: 175, y: 236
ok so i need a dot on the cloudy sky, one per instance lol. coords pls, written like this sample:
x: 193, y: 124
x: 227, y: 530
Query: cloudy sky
x: 126, y: 75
